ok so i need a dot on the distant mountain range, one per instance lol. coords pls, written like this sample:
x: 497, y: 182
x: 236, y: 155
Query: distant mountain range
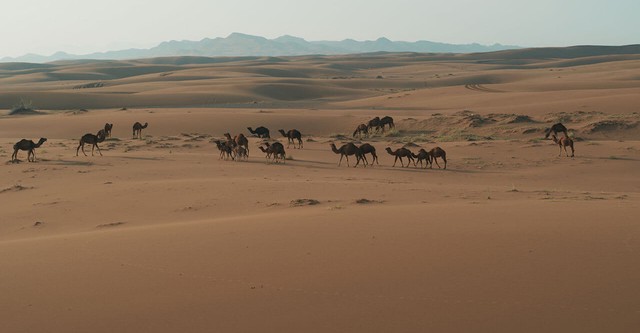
x: 238, y: 44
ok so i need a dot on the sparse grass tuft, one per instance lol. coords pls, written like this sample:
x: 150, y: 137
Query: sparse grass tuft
x: 23, y: 107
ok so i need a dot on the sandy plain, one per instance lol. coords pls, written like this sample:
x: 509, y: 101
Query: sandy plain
x: 161, y: 235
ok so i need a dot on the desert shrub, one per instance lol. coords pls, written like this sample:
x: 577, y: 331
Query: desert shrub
x: 23, y: 107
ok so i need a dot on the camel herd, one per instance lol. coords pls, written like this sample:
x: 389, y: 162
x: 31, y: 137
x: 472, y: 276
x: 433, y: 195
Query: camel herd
x: 237, y: 147
x: 374, y: 125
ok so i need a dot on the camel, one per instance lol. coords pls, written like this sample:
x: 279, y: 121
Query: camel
x: 224, y: 149
x: 435, y: 153
x: 362, y: 128
x: 291, y: 135
x: 399, y: 154
x: 422, y: 155
x: 29, y: 146
x: 556, y: 128
x: 563, y: 143
x: 241, y: 152
x: 238, y: 141
x: 366, y: 148
x: 93, y: 140
x: 347, y: 150
x: 137, y: 129
x: 261, y: 132
x: 107, y: 129
x: 386, y: 120
x: 373, y: 124
x: 276, y: 149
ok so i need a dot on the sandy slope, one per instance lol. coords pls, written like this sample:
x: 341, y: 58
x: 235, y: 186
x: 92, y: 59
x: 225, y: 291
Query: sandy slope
x: 160, y: 235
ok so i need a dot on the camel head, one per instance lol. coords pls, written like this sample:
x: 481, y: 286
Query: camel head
x: 41, y: 141
x: 389, y: 151
x: 282, y: 132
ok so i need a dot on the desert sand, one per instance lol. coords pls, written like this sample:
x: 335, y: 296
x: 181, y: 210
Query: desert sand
x: 161, y: 235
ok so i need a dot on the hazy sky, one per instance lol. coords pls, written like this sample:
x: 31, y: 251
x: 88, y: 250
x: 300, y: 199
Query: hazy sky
x: 86, y: 26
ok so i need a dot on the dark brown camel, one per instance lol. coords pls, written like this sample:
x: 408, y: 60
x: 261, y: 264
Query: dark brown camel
x: 373, y: 124
x: 29, y: 146
x: 241, y: 152
x: 275, y: 150
x: 347, y: 150
x: 107, y: 129
x: 93, y: 140
x: 261, y: 132
x: 422, y: 155
x: 399, y: 154
x: 555, y: 129
x: 365, y: 149
x: 435, y: 153
x: 563, y: 143
x: 225, y: 149
x: 362, y: 128
x: 291, y: 135
x: 238, y: 141
x: 386, y: 120
x: 137, y: 130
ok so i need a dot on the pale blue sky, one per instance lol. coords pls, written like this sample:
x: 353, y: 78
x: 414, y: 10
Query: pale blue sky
x: 85, y: 26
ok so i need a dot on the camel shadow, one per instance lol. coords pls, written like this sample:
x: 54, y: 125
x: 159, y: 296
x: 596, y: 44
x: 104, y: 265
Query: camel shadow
x: 63, y: 162
x: 145, y: 158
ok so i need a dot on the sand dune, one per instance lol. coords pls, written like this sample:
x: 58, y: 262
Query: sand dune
x: 162, y: 235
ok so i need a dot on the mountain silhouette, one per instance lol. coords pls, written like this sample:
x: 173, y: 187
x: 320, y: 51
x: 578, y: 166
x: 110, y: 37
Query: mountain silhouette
x: 238, y: 44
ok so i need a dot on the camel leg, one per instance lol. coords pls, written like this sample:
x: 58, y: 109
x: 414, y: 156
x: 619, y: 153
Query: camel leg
x: 98, y: 149
x: 572, y: 151
x: 33, y: 155
x: 435, y: 159
x: 394, y: 162
x: 339, y: 162
x: 401, y: 163
x: 364, y: 159
x: 82, y: 147
x: 347, y: 157
x: 14, y: 156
